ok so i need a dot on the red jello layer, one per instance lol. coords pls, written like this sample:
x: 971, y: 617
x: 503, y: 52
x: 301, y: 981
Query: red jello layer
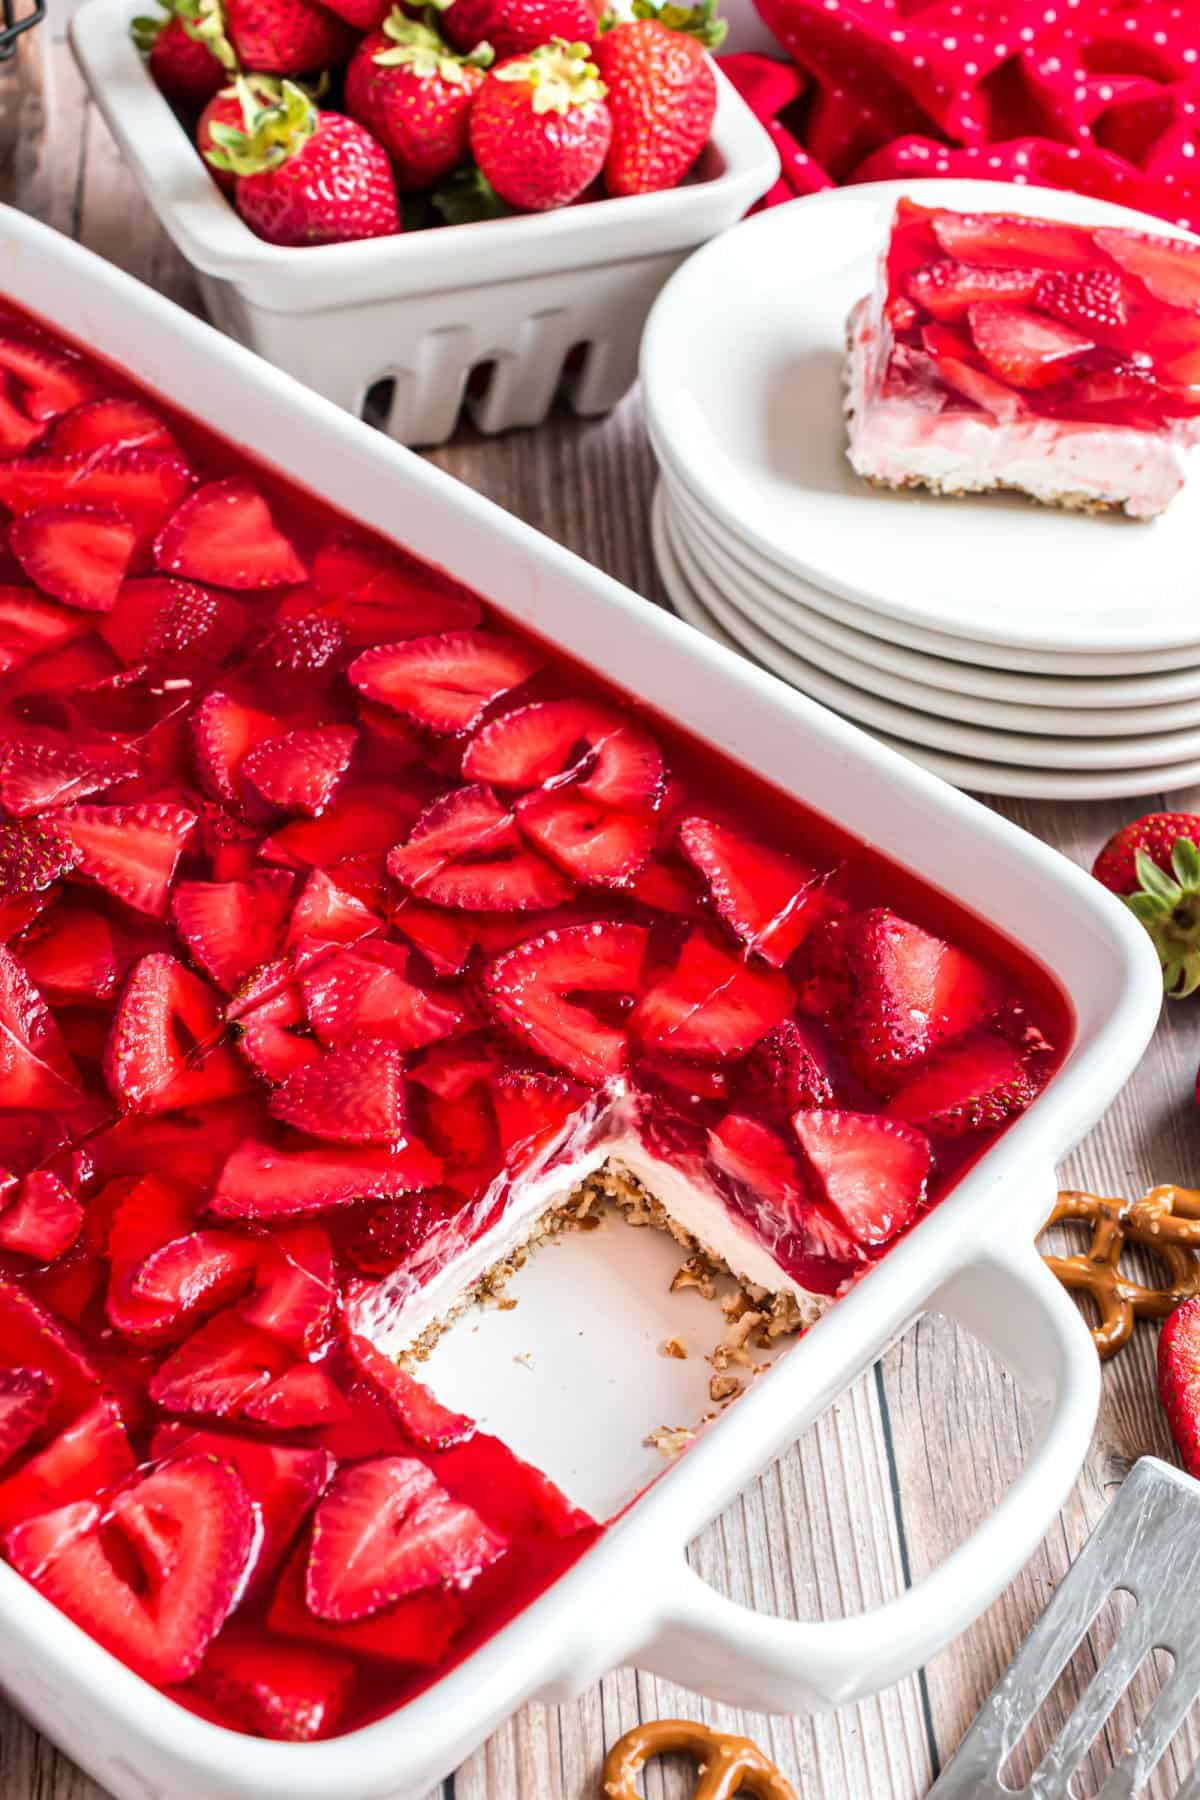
x: 332, y: 906
x: 1014, y: 315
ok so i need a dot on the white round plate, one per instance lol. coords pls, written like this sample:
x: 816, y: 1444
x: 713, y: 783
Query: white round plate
x: 1148, y: 698
x: 706, y: 569
x: 979, y: 777
x: 974, y: 651
x: 940, y: 728
x: 742, y: 382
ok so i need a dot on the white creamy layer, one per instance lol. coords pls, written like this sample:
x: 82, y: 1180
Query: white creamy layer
x: 691, y: 1202
x: 895, y: 441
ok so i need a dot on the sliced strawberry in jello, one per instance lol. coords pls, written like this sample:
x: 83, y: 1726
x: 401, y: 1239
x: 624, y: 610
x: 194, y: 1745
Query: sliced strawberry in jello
x: 329, y: 913
x: 29, y: 624
x: 33, y: 856
x: 260, y: 1181
x: 764, y: 1170
x: 365, y: 991
x: 606, y: 754
x: 1023, y: 347
x: 89, y: 1455
x: 711, y: 1005
x: 353, y: 1095
x: 447, y: 681
x: 144, y: 485
x: 111, y: 423
x: 26, y: 1397
x: 301, y: 1399
x: 364, y: 818
x: 416, y: 1410
x: 232, y: 927
x: 71, y: 954
x: 391, y: 607
x: 50, y: 381
x: 386, y: 1529
x: 451, y: 1069
x: 465, y: 851
x: 950, y: 352
x: 913, y: 991
x: 415, y: 1632
x: 147, y: 1212
x: 530, y: 990
x: 76, y: 554
x: 389, y: 1235
x: 300, y: 771
x: 130, y: 851
x: 275, y: 1051
x: 197, y: 1273
x: 445, y: 936
x: 946, y: 289
x: 972, y: 1086
x: 294, y: 1693
x: 43, y: 1220
x: 18, y: 432
x: 1169, y: 269
x: 224, y: 731
x: 219, y: 1368
x: 595, y: 844
x: 187, y: 1534
x: 38, y: 1074
x: 162, y: 1051
x: 39, y: 775
x: 283, y: 1481
x: 296, y: 1295
x: 871, y: 1171
x: 997, y: 239
x: 789, y: 1070
x: 769, y: 899
x: 224, y: 534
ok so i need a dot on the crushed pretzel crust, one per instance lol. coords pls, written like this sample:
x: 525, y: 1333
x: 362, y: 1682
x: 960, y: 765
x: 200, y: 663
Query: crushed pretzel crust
x: 754, y: 1318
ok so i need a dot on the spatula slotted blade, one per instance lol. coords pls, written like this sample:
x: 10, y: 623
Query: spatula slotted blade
x: 1148, y: 1543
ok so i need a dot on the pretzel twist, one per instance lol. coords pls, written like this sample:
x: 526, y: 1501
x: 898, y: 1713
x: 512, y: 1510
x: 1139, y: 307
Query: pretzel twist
x: 1165, y: 1220
x: 727, y: 1765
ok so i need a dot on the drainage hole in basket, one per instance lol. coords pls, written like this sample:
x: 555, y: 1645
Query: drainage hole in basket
x: 574, y: 368
x: 377, y: 402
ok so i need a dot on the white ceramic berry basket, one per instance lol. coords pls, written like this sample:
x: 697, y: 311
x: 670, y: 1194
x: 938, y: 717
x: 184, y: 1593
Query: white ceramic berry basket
x: 407, y: 320
x: 633, y: 1598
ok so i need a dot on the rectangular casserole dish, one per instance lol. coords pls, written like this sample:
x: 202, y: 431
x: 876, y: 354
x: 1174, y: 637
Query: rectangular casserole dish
x: 632, y: 1598
x: 423, y: 310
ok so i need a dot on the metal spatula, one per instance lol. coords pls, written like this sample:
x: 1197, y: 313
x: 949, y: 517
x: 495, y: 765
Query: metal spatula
x: 1148, y: 1544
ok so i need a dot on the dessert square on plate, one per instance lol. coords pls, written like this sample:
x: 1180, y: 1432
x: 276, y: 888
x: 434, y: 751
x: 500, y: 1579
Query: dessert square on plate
x: 1051, y: 359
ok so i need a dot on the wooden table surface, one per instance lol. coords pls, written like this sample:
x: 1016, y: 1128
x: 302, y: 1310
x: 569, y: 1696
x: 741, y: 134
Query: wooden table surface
x: 924, y: 1445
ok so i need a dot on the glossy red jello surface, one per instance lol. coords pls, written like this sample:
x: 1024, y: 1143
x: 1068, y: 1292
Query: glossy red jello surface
x: 331, y: 907
x: 1013, y: 315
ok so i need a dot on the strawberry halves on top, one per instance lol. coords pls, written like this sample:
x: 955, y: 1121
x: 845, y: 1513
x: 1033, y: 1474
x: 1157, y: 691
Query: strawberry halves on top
x: 224, y: 533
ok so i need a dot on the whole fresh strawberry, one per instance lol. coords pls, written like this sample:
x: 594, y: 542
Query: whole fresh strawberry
x: 662, y: 93
x: 1154, y: 865
x: 234, y: 105
x: 1179, y: 1380
x: 408, y: 87
x: 540, y: 128
x: 188, y: 53
x: 285, y: 37
x: 307, y: 177
x: 513, y: 27
x: 363, y: 15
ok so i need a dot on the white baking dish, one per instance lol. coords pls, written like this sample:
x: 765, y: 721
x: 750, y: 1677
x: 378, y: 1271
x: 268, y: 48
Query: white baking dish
x: 632, y: 1598
x: 422, y: 311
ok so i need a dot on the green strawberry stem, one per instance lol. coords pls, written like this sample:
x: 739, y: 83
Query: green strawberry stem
x: 201, y: 19
x: 422, y: 49
x: 700, y: 21
x: 560, y: 75
x: 273, y: 133
x: 1169, y: 908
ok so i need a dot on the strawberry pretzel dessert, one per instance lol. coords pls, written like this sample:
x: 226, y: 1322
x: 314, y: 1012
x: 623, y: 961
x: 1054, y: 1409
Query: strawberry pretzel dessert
x: 352, y: 942
x: 1055, y: 360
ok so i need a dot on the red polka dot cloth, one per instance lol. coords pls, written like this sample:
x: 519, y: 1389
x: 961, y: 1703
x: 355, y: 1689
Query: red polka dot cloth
x: 1102, y: 96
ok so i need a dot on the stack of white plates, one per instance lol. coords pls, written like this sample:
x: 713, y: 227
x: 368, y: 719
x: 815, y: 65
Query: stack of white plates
x: 1012, y: 648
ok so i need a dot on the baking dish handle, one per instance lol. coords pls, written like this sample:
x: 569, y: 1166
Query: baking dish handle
x: 1007, y: 1299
